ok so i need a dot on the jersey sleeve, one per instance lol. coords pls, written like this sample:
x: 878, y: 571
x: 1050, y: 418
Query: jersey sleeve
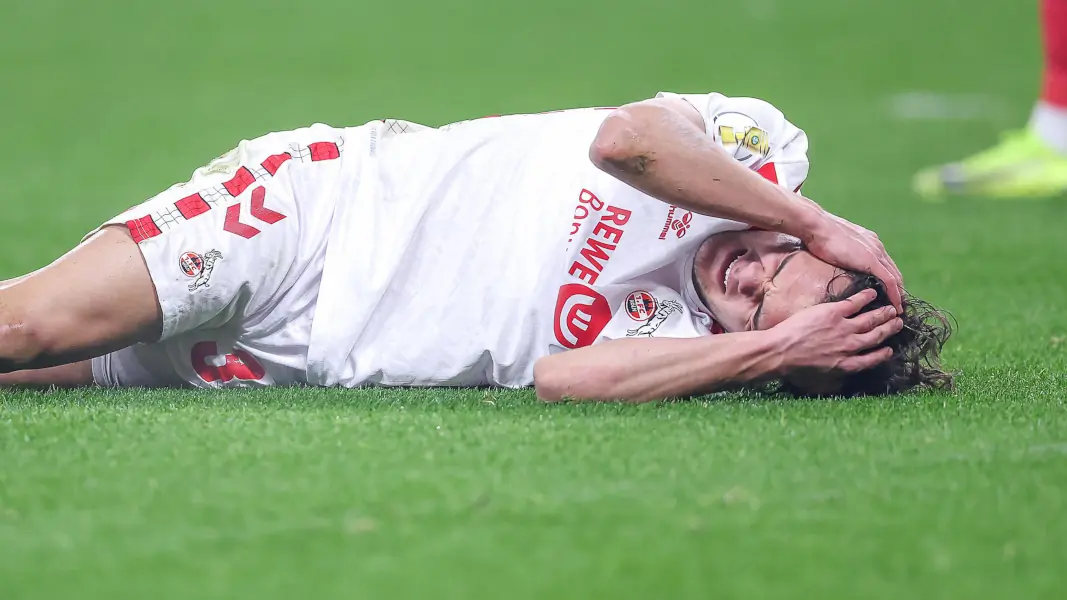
x: 756, y: 134
x: 227, y: 242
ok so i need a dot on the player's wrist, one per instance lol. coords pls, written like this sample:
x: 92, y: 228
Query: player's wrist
x: 763, y: 355
x: 808, y: 220
x: 778, y: 357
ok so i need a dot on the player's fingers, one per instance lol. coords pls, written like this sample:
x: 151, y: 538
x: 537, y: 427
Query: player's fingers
x: 900, y: 282
x: 877, y: 336
x: 888, y: 262
x: 855, y: 303
x: 896, y: 298
x: 896, y: 270
x: 892, y: 285
x: 863, y: 362
x: 892, y: 266
x: 867, y: 321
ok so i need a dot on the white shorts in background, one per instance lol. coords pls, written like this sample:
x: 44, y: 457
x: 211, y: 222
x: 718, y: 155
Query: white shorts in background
x: 236, y: 256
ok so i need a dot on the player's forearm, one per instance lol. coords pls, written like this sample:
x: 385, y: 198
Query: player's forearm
x: 74, y: 375
x: 638, y: 370
x: 665, y: 155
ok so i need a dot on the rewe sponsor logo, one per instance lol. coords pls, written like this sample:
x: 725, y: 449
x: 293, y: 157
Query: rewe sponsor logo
x: 600, y: 245
x: 581, y: 314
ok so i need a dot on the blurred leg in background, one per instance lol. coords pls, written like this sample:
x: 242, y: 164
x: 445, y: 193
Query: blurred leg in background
x: 1029, y: 163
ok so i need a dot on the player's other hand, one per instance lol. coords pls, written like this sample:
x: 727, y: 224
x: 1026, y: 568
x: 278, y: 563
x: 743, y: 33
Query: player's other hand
x: 832, y: 338
x: 847, y: 245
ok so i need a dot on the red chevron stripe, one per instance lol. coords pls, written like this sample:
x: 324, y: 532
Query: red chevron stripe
x: 259, y: 196
x: 234, y: 225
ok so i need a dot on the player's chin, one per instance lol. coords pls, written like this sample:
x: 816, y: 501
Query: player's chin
x: 726, y: 320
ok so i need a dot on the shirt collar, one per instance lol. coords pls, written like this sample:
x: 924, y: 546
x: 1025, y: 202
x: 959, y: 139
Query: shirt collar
x: 692, y: 297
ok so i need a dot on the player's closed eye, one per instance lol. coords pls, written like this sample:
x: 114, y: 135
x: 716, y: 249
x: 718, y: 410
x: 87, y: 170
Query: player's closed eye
x: 754, y: 322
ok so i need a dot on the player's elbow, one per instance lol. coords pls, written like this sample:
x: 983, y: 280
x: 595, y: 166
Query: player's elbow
x: 550, y: 381
x: 616, y: 143
x: 21, y: 342
x: 556, y: 379
x: 630, y: 135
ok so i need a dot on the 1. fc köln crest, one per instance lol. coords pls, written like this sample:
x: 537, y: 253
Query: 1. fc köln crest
x: 640, y: 305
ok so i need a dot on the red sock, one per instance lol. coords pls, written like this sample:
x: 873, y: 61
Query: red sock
x: 1054, y: 24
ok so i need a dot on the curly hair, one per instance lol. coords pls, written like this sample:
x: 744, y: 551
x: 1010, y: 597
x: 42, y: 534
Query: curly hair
x: 916, y: 361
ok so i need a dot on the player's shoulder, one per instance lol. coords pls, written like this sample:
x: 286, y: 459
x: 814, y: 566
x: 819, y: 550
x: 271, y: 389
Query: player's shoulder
x: 713, y: 104
x: 747, y: 127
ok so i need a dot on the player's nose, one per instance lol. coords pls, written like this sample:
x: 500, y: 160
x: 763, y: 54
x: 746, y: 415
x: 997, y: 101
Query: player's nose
x: 748, y: 282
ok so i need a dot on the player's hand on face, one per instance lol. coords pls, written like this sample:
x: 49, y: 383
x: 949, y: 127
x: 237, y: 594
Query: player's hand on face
x: 847, y: 245
x: 832, y: 338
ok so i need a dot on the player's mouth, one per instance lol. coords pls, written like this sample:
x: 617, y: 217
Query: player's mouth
x: 726, y: 268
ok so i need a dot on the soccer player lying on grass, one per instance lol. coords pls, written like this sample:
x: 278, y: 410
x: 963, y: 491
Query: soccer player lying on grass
x: 652, y: 251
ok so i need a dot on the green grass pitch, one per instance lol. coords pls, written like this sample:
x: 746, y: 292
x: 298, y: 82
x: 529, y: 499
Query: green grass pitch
x: 488, y: 494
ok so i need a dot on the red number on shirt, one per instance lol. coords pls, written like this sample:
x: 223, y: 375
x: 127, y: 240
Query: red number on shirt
x: 212, y: 367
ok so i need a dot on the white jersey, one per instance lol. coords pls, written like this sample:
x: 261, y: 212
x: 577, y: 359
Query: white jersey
x: 398, y: 254
x: 473, y: 250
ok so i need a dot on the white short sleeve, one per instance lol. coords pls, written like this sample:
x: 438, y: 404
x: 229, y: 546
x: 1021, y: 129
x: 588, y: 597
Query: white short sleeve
x: 755, y: 133
x: 231, y: 240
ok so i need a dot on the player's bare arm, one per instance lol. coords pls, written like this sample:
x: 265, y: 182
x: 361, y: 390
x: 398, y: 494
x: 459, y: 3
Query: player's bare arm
x: 96, y: 299
x: 830, y: 340
x: 660, y: 147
